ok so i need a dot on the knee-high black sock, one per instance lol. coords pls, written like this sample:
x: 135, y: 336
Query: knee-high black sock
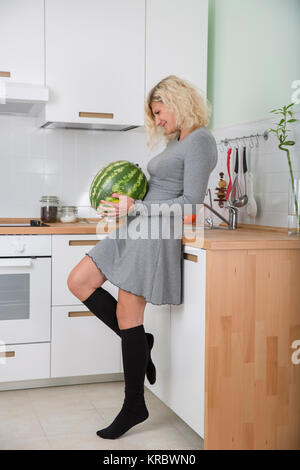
x: 135, y: 352
x: 102, y: 304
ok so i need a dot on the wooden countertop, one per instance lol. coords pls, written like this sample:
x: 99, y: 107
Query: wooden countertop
x: 245, y: 237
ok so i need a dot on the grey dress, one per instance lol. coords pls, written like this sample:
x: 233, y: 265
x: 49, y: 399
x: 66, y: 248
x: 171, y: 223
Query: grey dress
x: 147, y: 261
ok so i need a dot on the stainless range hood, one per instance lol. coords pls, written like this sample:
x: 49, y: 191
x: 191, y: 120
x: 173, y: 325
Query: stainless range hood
x: 22, y: 99
x: 87, y: 126
x: 84, y: 120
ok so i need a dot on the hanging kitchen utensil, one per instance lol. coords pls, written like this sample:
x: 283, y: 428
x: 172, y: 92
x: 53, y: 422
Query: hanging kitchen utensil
x: 228, y: 169
x: 238, y: 196
x: 245, y: 169
x: 221, y: 190
x: 251, y: 206
x: 233, y: 194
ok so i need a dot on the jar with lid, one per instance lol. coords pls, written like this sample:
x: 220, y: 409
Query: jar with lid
x: 68, y: 214
x: 49, y: 205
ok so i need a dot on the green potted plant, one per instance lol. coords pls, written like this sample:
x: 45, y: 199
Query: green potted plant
x: 281, y: 132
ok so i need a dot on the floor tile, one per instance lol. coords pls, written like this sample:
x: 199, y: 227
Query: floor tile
x: 68, y: 417
x: 19, y: 422
x: 33, y: 443
x: 70, y: 422
x: 57, y: 399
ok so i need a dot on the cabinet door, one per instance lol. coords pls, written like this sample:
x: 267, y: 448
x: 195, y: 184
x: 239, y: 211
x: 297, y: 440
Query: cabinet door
x: 176, y: 41
x: 82, y: 344
x: 188, y: 343
x: 24, y: 361
x: 95, y: 52
x: 22, y: 40
x: 67, y: 251
x: 157, y: 322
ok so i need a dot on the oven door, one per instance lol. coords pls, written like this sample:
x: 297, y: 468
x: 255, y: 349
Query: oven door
x: 25, y: 300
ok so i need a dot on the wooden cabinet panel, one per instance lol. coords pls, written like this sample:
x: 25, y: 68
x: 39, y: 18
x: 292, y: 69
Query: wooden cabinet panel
x: 252, y: 387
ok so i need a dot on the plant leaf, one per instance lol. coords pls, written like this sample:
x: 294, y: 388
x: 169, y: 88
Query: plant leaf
x: 292, y: 120
x: 290, y: 105
x: 289, y: 142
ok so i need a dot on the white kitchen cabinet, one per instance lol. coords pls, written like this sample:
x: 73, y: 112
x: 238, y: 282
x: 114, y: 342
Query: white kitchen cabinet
x: 179, y: 347
x: 22, y: 41
x: 157, y: 322
x: 95, y: 55
x: 67, y: 251
x: 188, y: 343
x: 24, y: 361
x: 176, y: 41
x: 82, y: 344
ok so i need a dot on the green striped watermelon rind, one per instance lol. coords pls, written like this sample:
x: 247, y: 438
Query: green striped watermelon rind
x: 126, y: 174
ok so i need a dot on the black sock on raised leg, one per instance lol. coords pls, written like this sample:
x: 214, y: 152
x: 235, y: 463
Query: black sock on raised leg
x: 135, y: 352
x: 103, y: 305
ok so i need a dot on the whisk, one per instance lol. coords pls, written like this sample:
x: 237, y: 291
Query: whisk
x: 237, y: 197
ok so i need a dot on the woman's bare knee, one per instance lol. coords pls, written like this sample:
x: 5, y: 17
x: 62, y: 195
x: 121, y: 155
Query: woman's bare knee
x: 85, y: 278
x: 130, y: 309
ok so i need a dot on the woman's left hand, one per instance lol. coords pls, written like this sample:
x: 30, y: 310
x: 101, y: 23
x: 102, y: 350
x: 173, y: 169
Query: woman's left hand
x: 118, y: 209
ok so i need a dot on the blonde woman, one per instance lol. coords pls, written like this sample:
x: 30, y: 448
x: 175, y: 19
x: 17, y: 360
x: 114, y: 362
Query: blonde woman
x: 149, y: 269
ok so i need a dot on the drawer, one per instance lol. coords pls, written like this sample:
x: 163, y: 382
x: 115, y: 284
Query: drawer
x: 24, y: 361
x: 82, y: 344
x: 67, y: 251
x: 25, y: 245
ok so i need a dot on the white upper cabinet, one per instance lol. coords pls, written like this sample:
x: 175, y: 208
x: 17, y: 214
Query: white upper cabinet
x: 176, y: 41
x: 95, y: 61
x: 22, y: 41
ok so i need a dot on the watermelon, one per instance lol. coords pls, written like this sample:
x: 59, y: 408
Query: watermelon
x: 121, y: 177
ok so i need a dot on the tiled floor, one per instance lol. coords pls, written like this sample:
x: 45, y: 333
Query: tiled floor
x: 67, y: 417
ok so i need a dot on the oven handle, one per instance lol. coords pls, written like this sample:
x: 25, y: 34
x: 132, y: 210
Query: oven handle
x: 15, y: 262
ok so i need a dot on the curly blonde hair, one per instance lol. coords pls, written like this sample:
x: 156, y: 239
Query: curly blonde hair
x: 191, y: 109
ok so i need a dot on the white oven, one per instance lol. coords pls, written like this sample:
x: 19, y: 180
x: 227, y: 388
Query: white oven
x: 25, y: 288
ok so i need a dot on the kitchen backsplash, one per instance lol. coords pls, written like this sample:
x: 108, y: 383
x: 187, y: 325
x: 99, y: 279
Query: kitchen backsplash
x: 63, y: 162
x: 269, y: 166
x: 59, y: 162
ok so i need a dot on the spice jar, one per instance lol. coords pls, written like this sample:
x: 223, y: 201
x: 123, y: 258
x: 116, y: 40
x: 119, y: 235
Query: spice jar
x: 49, y: 206
x: 68, y: 214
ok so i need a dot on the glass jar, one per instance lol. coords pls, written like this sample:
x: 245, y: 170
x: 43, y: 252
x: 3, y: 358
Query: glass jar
x: 68, y: 214
x: 49, y: 205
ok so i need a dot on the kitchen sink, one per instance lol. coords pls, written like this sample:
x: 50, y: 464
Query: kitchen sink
x: 206, y: 227
x: 216, y: 228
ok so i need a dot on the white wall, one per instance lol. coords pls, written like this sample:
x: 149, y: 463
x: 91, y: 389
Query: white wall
x: 36, y: 162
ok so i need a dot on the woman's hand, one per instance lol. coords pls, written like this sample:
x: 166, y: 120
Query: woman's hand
x: 118, y: 209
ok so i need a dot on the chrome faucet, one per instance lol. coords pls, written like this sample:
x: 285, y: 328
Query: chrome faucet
x: 233, y: 214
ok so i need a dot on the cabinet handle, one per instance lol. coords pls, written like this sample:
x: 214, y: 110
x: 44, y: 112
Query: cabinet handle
x: 4, y: 74
x: 96, y: 115
x: 85, y: 313
x: 7, y: 354
x: 83, y: 242
x: 190, y: 257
